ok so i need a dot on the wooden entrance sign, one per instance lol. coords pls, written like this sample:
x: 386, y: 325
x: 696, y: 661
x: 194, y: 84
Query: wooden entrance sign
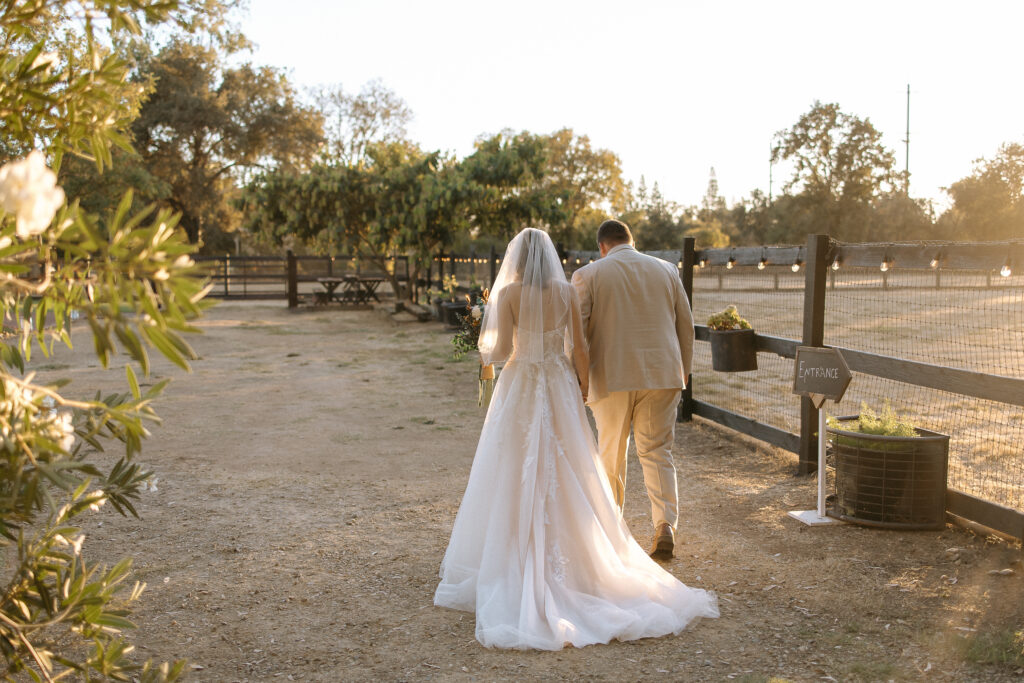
x: 819, y: 374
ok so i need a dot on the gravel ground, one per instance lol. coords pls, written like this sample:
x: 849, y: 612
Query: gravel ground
x: 310, y: 468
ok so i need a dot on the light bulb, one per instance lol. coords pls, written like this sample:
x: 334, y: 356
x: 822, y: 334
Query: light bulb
x: 731, y: 263
x: 761, y: 264
x: 796, y: 267
x: 884, y: 267
x: 1005, y: 270
x: 835, y: 263
x: 934, y: 263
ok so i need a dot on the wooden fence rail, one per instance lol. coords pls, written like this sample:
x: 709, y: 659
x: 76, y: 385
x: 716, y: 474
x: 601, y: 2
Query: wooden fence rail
x: 818, y: 257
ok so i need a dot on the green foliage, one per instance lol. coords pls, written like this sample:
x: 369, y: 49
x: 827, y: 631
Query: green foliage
x: 588, y: 181
x: 128, y: 274
x: 653, y: 220
x: 467, y: 337
x: 729, y: 319
x: 989, y: 204
x: 1004, y: 647
x: 840, y: 168
x: 888, y: 423
x: 205, y: 125
x: 447, y: 291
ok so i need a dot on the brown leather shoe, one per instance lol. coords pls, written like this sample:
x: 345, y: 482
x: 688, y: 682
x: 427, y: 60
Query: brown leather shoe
x: 664, y: 542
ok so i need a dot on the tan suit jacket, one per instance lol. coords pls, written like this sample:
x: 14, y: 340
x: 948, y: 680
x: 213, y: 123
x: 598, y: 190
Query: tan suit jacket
x: 637, y: 322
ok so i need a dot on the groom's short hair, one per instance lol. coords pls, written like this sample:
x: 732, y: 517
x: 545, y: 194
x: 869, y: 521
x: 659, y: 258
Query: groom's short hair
x: 614, y: 232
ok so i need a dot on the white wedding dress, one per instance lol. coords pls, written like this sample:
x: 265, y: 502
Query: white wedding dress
x: 539, y: 550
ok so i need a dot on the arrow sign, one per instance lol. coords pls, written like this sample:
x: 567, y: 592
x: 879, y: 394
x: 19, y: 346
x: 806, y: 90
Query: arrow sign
x: 820, y: 373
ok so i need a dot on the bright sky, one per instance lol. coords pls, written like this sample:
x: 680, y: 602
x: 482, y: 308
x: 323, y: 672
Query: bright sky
x: 674, y: 88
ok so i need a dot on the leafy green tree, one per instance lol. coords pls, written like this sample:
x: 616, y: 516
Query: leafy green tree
x: 507, y: 176
x: 989, y: 203
x: 591, y: 182
x: 207, y: 127
x: 131, y: 279
x: 840, y: 168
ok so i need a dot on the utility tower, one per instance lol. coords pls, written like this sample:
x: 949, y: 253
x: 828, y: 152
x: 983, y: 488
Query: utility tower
x: 906, y: 158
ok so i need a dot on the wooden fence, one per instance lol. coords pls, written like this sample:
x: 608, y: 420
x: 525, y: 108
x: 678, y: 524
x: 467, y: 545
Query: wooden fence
x: 282, y: 277
x: 276, y: 277
x: 817, y: 259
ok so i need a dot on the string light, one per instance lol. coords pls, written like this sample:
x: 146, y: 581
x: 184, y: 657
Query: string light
x: 763, y: 262
x: 796, y: 266
x: 835, y: 263
x: 935, y: 259
x: 703, y: 261
x: 1006, y: 271
x: 886, y: 263
x: 731, y: 262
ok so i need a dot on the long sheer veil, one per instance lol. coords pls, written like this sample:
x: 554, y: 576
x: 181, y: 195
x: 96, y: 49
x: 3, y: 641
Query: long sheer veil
x: 531, y: 285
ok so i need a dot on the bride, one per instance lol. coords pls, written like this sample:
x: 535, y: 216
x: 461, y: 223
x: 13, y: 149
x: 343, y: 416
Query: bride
x: 539, y: 551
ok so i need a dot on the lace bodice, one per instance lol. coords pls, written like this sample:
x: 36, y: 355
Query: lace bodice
x: 538, y: 347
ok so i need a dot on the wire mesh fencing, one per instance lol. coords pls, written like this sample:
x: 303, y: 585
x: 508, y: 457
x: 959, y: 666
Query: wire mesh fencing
x: 966, y: 319
x: 971, y: 321
x: 771, y: 300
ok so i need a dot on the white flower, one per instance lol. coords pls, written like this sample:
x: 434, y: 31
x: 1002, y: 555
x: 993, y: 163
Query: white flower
x: 76, y: 543
x: 67, y: 431
x: 476, y: 313
x: 29, y: 190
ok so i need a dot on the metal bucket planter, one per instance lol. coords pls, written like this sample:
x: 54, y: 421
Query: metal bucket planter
x: 733, y: 350
x: 452, y: 311
x: 896, y: 482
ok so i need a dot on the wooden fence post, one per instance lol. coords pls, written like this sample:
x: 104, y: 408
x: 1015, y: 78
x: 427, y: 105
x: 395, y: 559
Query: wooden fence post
x: 685, y: 413
x: 494, y: 266
x: 815, y: 281
x: 293, y: 281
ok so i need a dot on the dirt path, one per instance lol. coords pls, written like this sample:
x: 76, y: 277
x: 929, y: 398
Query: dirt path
x: 309, y: 472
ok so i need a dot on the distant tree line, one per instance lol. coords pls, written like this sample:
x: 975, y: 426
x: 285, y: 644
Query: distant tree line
x: 252, y: 164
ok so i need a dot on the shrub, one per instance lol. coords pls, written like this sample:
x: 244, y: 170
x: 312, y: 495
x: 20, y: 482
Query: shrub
x: 729, y: 319
x: 64, y: 89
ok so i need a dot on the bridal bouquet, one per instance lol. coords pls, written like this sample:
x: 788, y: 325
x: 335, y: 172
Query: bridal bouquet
x: 467, y: 339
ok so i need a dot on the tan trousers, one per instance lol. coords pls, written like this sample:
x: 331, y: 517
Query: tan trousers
x: 652, y: 414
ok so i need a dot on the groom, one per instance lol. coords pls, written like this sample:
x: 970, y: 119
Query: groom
x: 638, y: 324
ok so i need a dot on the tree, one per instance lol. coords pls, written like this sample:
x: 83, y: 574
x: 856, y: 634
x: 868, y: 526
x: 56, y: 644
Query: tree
x: 591, y: 182
x: 656, y: 223
x: 131, y: 278
x: 840, y: 169
x: 207, y: 127
x: 401, y: 201
x: 354, y: 122
x: 989, y: 203
x: 506, y: 174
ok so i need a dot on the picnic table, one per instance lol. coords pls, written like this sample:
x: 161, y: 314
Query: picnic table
x: 354, y: 289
